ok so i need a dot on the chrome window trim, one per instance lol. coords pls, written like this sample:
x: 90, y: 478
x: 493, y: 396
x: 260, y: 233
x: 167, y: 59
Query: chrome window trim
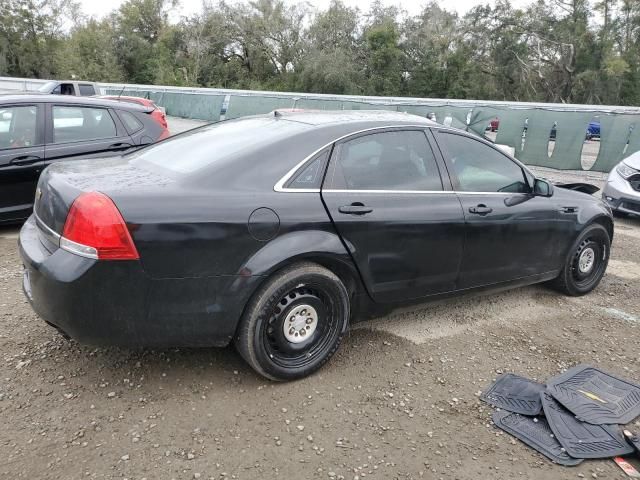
x: 279, y: 187
x: 437, y: 192
x: 461, y: 192
x: 430, y: 192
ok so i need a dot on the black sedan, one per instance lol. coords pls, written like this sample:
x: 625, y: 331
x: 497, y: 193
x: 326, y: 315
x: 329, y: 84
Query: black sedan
x: 38, y: 130
x: 276, y: 231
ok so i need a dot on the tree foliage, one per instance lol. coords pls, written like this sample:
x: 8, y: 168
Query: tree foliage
x: 579, y: 51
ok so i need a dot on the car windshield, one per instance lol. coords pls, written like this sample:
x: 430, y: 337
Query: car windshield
x: 196, y: 149
x: 47, y: 87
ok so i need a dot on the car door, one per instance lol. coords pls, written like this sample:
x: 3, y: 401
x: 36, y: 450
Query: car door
x: 75, y: 131
x: 402, y: 225
x: 21, y: 158
x: 510, y: 232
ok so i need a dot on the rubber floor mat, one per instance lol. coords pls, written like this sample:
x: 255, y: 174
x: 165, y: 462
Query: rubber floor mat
x: 515, y: 394
x: 596, y: 397
x: 535, y: 432
x: 583, y: 440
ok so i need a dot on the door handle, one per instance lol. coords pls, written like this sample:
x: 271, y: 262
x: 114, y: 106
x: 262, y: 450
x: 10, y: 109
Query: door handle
x: 568, y: 209
x: 480, y: 209
x: 356, y: 208
x: 25, y: 160
x: 115, y: 146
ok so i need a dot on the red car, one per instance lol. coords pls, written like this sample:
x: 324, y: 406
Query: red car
x: 157, y: 114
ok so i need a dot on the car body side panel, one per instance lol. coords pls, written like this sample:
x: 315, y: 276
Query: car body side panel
x: 117, y: 303
x: 587, y: 209
x: 208, y: 233
x: 520, y: 237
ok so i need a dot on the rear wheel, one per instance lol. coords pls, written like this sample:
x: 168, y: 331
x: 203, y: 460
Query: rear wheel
x: 294, y: 323
x: 586, y: 262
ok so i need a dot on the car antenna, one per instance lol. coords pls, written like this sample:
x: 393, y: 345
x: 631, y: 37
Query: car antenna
x: 120, y: 94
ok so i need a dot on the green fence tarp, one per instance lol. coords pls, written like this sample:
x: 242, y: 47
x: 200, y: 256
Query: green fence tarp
x: 527, y: 129
x: 241, y: 106
x: 570, y: 133
x: 317, y: 104
x: 615, y: 132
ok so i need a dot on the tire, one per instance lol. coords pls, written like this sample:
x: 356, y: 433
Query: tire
x: 313, y: 303
x: 586, y: 262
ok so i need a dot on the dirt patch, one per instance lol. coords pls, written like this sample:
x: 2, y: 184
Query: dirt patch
x: 624, y: 269
x: 399, y: 400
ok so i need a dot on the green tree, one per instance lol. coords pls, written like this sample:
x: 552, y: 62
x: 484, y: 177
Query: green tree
x: 31, y: 32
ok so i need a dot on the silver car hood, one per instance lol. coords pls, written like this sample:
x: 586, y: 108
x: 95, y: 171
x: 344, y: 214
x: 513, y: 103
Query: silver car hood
x: 633, y: 160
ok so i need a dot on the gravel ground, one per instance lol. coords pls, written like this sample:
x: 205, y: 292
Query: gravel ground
x: 398, y: 401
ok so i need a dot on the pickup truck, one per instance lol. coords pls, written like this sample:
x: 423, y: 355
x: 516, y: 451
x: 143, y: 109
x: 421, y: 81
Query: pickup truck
x: 70, y: 87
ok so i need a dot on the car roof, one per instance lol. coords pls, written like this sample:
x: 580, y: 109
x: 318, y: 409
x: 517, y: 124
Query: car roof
x: 344, y: 117
x: 30, y: 97
x: 72, y: 81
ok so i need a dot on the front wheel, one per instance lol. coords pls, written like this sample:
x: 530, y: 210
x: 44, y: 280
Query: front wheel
x: 586, y: 262
x: 294, y: 323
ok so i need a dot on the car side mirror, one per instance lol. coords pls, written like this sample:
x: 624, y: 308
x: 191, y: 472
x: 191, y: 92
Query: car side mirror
x: 542, y: 188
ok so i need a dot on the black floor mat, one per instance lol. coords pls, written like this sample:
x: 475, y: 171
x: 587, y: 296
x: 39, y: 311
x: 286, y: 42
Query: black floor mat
x: 583, y: 440
x: 596, y: 397
x: 535, y: 432
x: 515, y: 394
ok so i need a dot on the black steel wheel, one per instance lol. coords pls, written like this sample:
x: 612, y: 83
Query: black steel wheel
x: 295, y: 322
x: 586, y: 262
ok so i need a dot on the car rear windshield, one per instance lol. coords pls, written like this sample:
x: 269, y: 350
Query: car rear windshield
x: 200, y: 148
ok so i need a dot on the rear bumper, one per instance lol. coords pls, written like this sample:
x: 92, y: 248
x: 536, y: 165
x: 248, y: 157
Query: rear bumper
x: 117, y: 303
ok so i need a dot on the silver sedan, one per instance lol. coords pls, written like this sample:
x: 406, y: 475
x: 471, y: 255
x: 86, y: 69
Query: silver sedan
x: 622, y: 191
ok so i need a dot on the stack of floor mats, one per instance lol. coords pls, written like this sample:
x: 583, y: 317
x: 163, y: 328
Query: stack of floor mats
x: 575, y: 416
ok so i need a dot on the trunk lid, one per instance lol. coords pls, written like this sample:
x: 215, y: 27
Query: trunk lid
x: 61, y: 183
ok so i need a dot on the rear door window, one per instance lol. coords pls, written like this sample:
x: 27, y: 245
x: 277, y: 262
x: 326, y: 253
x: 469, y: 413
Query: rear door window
x: 397, y: 160
x: 76, y: 124
x: 18, y: 126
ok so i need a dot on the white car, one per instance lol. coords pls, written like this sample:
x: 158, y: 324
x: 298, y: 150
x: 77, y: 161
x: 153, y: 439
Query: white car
x: 622, y: 191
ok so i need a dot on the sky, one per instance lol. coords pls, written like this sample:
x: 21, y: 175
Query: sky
x: 188, y: 7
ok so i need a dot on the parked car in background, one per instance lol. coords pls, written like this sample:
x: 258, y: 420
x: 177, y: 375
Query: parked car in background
x: 593, y: 130
x: 276, y: 231
x: 157, y: 114
x: 38, y: 130
x: 70, y: 87
x: 622, y: 190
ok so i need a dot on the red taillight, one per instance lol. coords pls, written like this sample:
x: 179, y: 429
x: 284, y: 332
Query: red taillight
x: 160, y: 117
x: 95, y: 228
